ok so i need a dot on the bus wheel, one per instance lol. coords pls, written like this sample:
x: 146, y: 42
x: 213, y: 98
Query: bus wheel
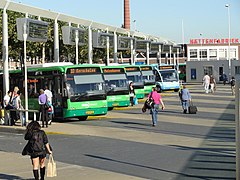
x: 176, y: 90
x: 82, y: 118
x: 110, y: 108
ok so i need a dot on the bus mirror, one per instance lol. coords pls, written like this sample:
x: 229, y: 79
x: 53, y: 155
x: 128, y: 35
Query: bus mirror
x: 65, y: 92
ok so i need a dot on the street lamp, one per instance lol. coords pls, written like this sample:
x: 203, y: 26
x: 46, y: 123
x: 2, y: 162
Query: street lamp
x: 229, y: 31
x: 134, y: 21
x: 201, y: 47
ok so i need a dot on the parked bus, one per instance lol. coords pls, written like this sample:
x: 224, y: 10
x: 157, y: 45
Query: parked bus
x: 148, y: 78
x: 116, y: 86
x: 167, y: 78
x: 78, y: 90
x: 134, y: 75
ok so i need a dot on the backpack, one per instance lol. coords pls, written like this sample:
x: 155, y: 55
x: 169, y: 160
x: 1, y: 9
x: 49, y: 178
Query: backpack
x: 37, y: 143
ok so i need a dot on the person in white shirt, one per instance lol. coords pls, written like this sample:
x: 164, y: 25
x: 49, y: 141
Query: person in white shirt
x: 206, y: 82
x: 49, y: 94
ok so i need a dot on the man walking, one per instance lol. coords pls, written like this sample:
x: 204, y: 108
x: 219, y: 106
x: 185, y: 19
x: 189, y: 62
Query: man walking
x: 185, y: 98
x: 206, y: 82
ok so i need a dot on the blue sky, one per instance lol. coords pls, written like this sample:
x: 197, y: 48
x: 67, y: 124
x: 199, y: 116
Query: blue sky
x: 157, y: 17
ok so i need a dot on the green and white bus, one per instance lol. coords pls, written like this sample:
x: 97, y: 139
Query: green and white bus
x: 116, y: 86
x: 78, y: 90
x: 148, y: 78
x: 134, y: 75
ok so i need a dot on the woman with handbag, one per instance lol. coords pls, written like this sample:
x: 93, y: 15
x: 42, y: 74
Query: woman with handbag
x: 155, y: 106
x: 37, y: 147
x: 42, y: 100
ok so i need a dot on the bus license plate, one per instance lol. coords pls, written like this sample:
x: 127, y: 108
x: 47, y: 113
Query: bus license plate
x: 115, y: 104
x: 89, y: 112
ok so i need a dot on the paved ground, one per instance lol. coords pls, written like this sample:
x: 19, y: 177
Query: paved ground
x: 182, y: 146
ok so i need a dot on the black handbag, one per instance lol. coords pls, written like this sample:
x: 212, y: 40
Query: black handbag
x: 149, y: 103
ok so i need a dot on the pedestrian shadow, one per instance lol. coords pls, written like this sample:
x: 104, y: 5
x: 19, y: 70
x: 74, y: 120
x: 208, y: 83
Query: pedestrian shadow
x: 215, y: 157
x: 130, y: 123
x: 11, y: 177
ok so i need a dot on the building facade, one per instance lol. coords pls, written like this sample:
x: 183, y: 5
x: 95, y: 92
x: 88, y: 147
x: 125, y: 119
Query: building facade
x: 212, y: 56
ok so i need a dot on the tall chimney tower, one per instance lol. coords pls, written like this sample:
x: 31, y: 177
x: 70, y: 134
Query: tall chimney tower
x: 126, y: 15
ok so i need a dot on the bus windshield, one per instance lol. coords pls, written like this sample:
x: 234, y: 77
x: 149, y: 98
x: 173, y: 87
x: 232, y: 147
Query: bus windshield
x: 116, y: 81
x: 82, y: 86
x: 135, y: 77
x: 169, y: 75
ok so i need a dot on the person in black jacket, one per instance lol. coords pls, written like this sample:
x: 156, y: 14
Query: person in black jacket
x: 132, y: 93
x: 37, y: 147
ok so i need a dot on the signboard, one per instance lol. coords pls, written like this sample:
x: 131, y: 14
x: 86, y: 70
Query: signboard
x: 214, y: 41
x: 124, y: 43
x: 37, y: 31
x: 132, y: 69
x: 113, y: 70
x: 166, y: 67
x: 69, y: 35
x: 100, y: 40
x: 83, y: 70
x: 155, y: 47
x: 146, y: 68
x: 141, y: 45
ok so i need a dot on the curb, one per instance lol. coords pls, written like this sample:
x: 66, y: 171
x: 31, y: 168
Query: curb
x: 12, y: 129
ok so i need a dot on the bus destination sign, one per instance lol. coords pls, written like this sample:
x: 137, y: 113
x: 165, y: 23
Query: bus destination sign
x: 131, y: 69
x: 166, y: 67
x: 82, y: 70
x: 113, y: 70
x: 146, y: 68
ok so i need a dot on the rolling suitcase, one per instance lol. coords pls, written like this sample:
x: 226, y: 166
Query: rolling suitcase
x: 192, y: 109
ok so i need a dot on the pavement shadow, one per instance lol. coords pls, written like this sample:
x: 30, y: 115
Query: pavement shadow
x: 10, y: 177
x: 215, y: 158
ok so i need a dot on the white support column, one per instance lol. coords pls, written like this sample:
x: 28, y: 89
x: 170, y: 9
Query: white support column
x: 115, y: 48
x: 107, y: 63
x: 90, y: 48
x: 147, y: 51
x: 5, y: 51
x: 170, y: 54
x: 25, y: 70
x: 132, y: 52
x: 56, y: 40
x: 159, y: 54
x: 76, y: 45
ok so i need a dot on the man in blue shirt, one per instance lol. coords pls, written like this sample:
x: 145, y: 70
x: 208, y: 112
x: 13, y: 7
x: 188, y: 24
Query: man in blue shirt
x: 185, y: 98
x: 42, y: 100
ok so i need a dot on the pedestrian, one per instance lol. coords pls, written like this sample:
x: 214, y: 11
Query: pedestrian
x: 131, y: 93
x: 224, y: 78
x: 185, y: 98
x: 157, y: 101
x: 232, y: 83
x: 42, y: 100
x: 6, y: 101
x: 37, y: 148
x: 49, y: 94
x: 206, y: 82
x: 212, y: 83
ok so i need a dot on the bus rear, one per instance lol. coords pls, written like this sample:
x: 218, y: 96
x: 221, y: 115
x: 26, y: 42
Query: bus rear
x: 116, y: 86
x: 86, y: 92
x: 134, y: 75
x: 148, y: 78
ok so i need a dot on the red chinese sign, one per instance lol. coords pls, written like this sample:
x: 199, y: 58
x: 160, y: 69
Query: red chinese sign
x: 214, y: 41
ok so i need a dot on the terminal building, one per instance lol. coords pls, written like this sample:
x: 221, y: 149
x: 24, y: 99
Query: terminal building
x: 211, y: 56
